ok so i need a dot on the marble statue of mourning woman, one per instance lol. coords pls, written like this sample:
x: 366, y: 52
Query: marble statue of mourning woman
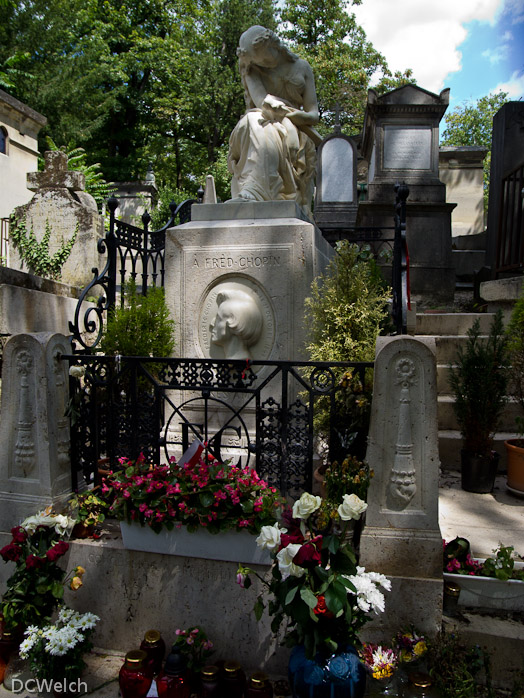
x: 272, y: 148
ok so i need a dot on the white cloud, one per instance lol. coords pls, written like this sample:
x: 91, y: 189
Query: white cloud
x: 514, y: 86
x: 422, y: 36
x: 495, y: 55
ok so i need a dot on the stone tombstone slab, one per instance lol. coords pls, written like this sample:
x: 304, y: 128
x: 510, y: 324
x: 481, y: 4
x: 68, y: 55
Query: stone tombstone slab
x: 61, y: 202
x: 400, y: 141
x: 336, y: 192
x: 401, y: 537
x: 35, y: 470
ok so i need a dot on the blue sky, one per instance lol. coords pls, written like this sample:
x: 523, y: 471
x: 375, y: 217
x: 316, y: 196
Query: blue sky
x: 474, y: 47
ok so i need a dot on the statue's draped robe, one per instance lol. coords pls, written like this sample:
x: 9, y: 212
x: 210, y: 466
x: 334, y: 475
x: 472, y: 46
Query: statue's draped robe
x: 273, y: 160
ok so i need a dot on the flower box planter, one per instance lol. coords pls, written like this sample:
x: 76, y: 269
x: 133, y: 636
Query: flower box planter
x: 230, y: 546
x: 489, y: 592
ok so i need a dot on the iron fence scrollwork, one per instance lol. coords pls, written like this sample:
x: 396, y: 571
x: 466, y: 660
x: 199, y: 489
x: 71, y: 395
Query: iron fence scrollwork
x: 257, y: 413
x: 131, y: 251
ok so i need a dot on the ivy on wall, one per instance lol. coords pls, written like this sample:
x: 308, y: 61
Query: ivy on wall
x: 36, y: 254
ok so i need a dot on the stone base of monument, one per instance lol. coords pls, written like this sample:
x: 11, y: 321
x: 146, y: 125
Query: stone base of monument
x: 134, y: 591
x: 412, y: 561
x: 428, y: 234
x: 35, y: 470
x: 269, y: 251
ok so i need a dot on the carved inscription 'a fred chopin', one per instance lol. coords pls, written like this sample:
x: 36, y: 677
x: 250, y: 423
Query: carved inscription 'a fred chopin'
x: 245, y: 261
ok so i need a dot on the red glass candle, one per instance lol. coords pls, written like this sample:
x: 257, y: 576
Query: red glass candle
x: 135, y: 678
x: 155, y: 648
x: 259, y: 686
x: 233, y: 680
x: 174, y: 680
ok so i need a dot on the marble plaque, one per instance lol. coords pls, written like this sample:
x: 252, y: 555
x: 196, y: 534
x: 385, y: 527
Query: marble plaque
x: 407, y: 148
x: 337, y: 171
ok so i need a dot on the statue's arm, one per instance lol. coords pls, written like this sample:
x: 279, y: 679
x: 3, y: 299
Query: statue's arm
x: 309, y: 116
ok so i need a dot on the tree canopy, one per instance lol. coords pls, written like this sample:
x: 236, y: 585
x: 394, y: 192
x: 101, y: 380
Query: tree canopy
x: 157, y: 81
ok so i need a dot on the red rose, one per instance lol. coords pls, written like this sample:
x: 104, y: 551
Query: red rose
x: 57, y: 551
x: 288, y: 538
x: 321, y: 609
x: 11, y: 552
x: 32, y: 562
x: 19, y: 534
x: 309, y: 553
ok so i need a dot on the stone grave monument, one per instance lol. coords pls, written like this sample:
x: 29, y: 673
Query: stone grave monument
x: 35, y: 470
x: 401, y: 537
x: 238, y: 273
x: 336, y: 191
x: 61, y: 203
x: 504, y: 234
x: 400, y: 143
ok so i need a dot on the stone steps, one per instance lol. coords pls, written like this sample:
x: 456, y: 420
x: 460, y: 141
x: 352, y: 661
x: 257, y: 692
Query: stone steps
x: 501, y: 636
x: 450, y: 331
x: 447, y: 419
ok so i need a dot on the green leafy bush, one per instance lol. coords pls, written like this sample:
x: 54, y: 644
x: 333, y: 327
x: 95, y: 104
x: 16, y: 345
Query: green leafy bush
x: 141, y: 327
x: 345, y: 313
x: 479, y: 382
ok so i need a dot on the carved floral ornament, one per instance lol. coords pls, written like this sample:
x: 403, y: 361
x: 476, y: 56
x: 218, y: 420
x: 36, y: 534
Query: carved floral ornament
x: 403, y: 484
x: 406, y: 372
x: 24, y: 363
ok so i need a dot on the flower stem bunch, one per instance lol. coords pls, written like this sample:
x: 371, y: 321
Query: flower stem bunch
x: 56, y: 650
x: 217, y: 496
x: 316, y: 584
x: 380, y: 661
x: 458, y: 560
x: 410, y: 645
x: 194, y: 644
x: 37, y: 584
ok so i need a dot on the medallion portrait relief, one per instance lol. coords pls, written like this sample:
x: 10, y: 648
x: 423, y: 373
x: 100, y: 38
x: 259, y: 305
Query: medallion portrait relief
x: 236, y: 321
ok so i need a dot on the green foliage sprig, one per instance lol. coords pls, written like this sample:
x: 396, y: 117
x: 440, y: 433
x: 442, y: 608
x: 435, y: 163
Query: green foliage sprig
x: 142, y: 327
x: 454, y: 666
x: 479, y: 382
x: 36, y: 254
x: 345, y: 313
x: 95, y: 183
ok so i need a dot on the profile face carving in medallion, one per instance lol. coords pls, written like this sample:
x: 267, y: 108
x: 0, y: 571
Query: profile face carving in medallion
x: 236, y: 321
x: 237, y: 324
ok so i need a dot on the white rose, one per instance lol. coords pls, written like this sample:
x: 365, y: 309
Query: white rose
x: 285, y: 561
x: 269, y: 537
x: 306, y: 505
x: 352, y: 507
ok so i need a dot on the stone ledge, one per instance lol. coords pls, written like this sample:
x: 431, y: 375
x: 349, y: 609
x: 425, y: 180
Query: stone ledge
x: 250, y: 210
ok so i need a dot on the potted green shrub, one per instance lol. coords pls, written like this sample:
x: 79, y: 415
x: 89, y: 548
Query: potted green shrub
x: 515, y: 447
x: 479, y: 382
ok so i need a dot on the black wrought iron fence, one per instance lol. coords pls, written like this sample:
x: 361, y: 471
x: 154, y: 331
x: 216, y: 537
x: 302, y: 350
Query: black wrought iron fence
x: 510, y: 234
x: 388, y: 245
x: 261, y: 413
x: 132, y: 253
